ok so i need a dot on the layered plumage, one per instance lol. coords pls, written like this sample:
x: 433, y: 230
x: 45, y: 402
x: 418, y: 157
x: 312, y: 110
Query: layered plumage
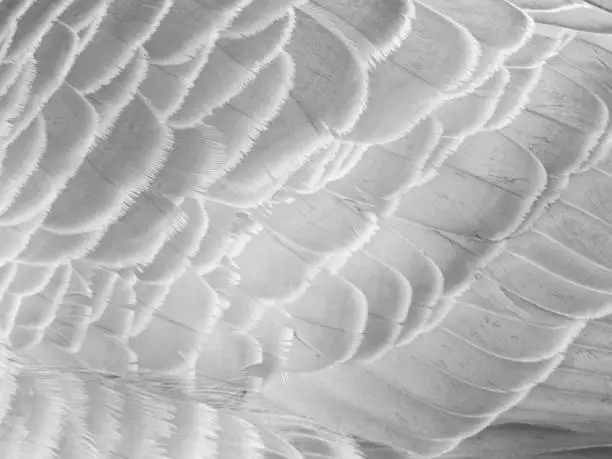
x: 305, y: 229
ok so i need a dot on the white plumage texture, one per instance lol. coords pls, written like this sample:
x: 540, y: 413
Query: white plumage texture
x: 305, y: 229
